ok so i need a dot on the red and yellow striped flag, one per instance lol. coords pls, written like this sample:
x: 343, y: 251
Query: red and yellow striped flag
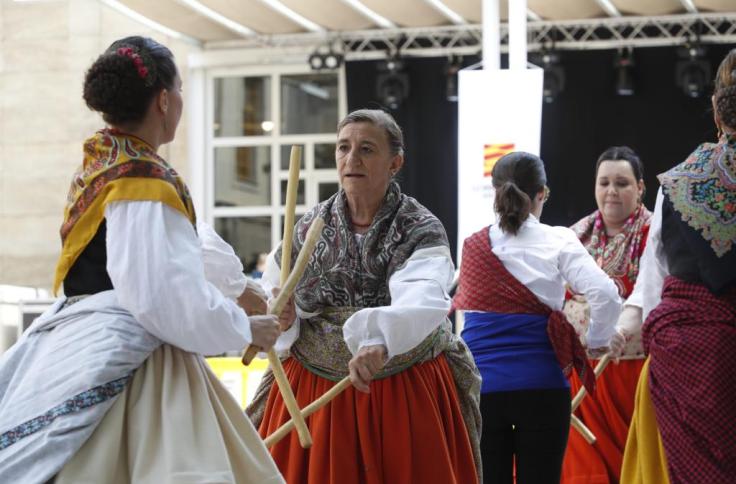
x: 491, y: 154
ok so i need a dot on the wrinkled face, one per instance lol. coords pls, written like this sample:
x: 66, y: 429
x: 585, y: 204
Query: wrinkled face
x: 617, y: 191
x: 365, y: 164
x: 174, y: 109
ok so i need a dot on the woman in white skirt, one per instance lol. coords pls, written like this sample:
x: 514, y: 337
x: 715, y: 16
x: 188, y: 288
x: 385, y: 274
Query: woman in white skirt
x: 109, y: 385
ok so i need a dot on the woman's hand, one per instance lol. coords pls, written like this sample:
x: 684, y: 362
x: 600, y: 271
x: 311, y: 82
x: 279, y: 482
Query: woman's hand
x: 596, y: 353
x: 288, y: 314
x: 368, y: 361
x: 253, y: 299
x: 264, y: 330
x: 618, y: 343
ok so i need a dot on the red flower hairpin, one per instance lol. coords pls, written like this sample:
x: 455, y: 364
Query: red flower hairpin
x: 137, y: 60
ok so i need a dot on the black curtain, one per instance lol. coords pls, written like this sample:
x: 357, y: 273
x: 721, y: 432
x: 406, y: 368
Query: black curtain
x: 659, y: 121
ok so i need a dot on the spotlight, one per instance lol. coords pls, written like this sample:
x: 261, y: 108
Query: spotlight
x: 692, y: 71
x: 330, y: 60
x: 624, y: 66
x: 454, y: 64
x: 316, y: 61
x: 554, y: 74
x: 333, y: 60
x: 392, y: 85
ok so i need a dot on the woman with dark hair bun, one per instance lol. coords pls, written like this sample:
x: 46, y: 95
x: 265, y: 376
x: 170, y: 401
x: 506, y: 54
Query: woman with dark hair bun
x: 512, y: 287
x: 615, y: 236
x: 109, y: 384
x: 686, y: 295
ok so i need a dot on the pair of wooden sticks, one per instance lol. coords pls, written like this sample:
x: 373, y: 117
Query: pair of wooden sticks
x: 289, y: 280
x: 574, y: 421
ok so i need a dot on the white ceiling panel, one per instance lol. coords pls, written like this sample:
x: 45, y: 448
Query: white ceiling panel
x: 331, y: 14
x: 407, y: 13
x: 649, y: 7
x: 337, y: 15
x: 566, y: 9
x: 176, y: 16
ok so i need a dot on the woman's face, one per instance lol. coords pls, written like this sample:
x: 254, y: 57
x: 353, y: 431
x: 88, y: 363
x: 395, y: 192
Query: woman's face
x: 617, y: 191
x: 174, y: 109
x: 364, y: 160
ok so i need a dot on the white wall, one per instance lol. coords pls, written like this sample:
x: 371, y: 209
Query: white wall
x: 45, y: 48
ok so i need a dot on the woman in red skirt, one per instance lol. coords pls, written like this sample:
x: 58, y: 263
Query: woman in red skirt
x: 372, y: 305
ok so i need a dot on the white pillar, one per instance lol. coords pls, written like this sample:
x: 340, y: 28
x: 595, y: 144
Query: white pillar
x: 517, y: 35
x: 492, y: 34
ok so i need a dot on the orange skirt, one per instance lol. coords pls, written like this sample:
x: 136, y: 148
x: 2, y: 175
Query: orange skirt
x: 608, y: 415
x: 408, y: 429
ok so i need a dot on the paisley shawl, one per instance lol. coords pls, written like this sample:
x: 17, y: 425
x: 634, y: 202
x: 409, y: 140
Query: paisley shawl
x: 702, y: 190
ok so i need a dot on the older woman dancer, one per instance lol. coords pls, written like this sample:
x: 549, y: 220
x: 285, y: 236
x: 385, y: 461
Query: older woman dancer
x: 687, y: 293
x: 615, y: 235
x: 108, y: 385
x: 372, y: 305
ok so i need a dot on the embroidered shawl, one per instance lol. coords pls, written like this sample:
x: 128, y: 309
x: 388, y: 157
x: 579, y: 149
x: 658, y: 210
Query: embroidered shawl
x: 343, y: 274
x: 115, y: 167
x: 702, y: 190
x: 486, y: 285
x: 618, y: 256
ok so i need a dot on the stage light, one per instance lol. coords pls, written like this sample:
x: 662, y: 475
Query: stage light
x: 454, y: 64
x: 624, y: 66
x: 329, y: 60
x: 554, y: 74
x: 693, y: 71
x: 392, y: 85
x: 333, y: 60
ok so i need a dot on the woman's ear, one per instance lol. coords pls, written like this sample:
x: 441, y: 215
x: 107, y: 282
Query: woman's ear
x: 396, y: 163
x: 163, y: 101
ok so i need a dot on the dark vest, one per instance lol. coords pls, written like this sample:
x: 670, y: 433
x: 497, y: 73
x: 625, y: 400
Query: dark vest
x: 89, y: 275
x: 690, y: 257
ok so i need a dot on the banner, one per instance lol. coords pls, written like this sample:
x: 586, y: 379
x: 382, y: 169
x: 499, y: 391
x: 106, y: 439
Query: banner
x: 499, y: 111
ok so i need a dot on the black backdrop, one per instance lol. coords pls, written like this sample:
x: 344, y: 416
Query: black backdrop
x: 659, y: 122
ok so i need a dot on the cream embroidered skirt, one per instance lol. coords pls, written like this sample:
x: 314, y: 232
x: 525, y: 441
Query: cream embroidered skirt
x: 174, y: 423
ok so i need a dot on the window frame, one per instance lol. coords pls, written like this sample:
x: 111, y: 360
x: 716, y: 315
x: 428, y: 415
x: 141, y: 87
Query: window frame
x: 312, y: 176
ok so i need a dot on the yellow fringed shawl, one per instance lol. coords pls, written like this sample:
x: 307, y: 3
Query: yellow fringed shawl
x: 116, y: 167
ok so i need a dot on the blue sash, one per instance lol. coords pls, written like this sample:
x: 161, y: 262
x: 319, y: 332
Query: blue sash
x: 512, y: 351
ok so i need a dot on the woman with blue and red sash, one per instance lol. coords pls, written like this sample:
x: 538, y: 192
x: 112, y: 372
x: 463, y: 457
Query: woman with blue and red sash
x: 512, y: 289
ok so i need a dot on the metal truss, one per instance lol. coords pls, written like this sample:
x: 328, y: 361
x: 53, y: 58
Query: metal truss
x: 604, y: 33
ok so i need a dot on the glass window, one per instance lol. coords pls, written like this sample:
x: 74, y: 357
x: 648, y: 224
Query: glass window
x: 286, y: 156
x: 326, y: 190
x: 297, y: 217
x: 249, y: 236
x: 242, y: 176
x: 324, y: 155
x: 299, y: 192
x: 243, y: 106
x: 308, y: 103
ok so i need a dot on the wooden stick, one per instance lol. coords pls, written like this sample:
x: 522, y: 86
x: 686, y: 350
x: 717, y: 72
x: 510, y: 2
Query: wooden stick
x: 584, y: 431
x: 292, y: 187
x: 310, y: 242
x: 602, y: 363
x: 330, y: 394
x: 279, y: 302
x: 305, y: 439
